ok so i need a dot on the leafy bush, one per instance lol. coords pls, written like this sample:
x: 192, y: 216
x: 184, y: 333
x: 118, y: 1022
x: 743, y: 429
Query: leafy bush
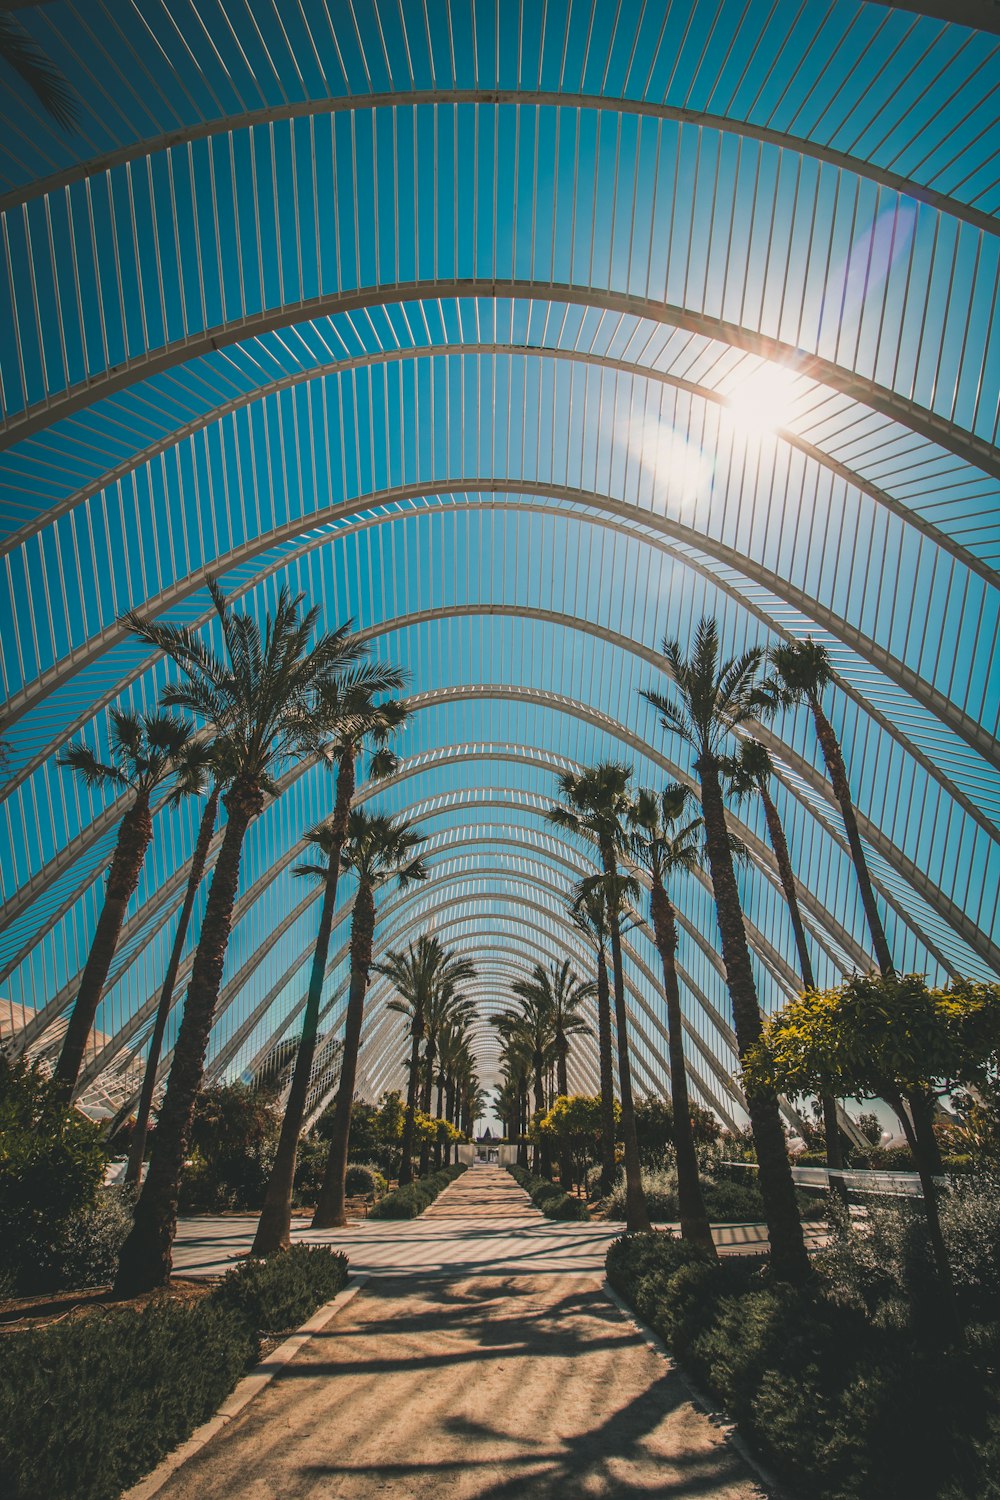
x: 727, y: 1201
x: 844, y: 1404
x: 310, y: 1165
x: 89, y: 1405
x: 409, y: 1201
x: 234, y: 1136
x: 85, y: 1251
x: 553, y: 1202
x: 362, y: 1179
x: 51, y: 1166
x: 284, y: 1290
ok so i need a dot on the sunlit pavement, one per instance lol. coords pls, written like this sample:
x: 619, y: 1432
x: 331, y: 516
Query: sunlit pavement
x: 483, y: 1222
x: 484, y: 1360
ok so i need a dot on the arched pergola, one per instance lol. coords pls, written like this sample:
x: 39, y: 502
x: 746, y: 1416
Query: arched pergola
x: 523, y: 336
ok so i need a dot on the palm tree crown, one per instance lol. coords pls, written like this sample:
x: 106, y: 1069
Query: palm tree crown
x: 712, y: 697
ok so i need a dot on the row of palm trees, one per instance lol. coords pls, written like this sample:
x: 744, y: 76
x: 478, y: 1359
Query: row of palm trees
x: 714, y: 707
x: 270, y: 698
x: 229, y: 729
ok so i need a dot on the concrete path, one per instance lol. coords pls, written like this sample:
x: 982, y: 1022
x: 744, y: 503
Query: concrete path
x: 511, y: 1383
x: 482, y: 1222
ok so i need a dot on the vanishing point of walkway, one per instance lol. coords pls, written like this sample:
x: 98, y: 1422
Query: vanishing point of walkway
x: 489, y: 1366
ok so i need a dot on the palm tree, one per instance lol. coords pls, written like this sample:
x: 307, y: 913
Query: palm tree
x: 711, y: 699
x: 749, y: 774
x: 559, y: 995
x: 415, y: 975
x: 802, y: 671
x: 595, y: 805
x: 191, y: 781
x: 530, y: 1030
x: 378, y: 849
x: 260, y: 698
x: 146, y: 749
x: 35, y: 68
x: 588, y: 909
x: 664, y: 848
x: 351, y: 711
x: 445, y: 1007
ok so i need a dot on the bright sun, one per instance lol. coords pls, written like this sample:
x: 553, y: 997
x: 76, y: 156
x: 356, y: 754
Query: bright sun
x: 765, y: 400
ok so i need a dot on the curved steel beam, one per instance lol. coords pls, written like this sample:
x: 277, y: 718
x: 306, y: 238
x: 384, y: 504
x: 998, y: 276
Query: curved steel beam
x: 326, y: 369
x: 966, y: 803
x: 936, y: 703
x: 880, y: 398
x: 535, y: 98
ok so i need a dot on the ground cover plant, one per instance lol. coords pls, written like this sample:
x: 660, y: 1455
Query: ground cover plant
x: 553, y: 1202
x: 411, y: 1199
x: 852, y: 1385
x: 91, y: 1403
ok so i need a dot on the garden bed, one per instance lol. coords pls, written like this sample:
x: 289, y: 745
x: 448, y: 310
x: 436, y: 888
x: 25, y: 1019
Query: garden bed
x: 92, y: 1398
x: 843, y: 1401
x: 409, y: 1201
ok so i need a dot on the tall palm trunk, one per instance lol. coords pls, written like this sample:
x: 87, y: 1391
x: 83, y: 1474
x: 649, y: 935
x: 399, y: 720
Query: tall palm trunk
x: 636, y: 1213
x: 919, y: 1133
x: 412, y: 1086
x: 145, y: 1258
x: 274, y: 1229
x: 562, y: 1088
x: 330, y: 1207
x: 544, y: 1150
x: 607, y: 1076
x: 691, y: 1204
x: 831, y: 1129
x: 199, y: 859
x: 789, y: 1260
x: 427, y: 1083
x: 134, y: 835
x: 830, y: 747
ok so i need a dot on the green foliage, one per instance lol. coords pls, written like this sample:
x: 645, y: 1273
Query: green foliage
x: 839, y: 1387
x: 284, y: 1290
x: 376, y: 1131
x: 310, y: 1165
x: 364, y: 1180
x: 51, y: 1166
x: 726, y: 1201
x: 654, y: 1128
x: 545, y: 1195
x: 877, y: 1033
x: 234, y: 1136
x: 409, y: 1201
x: 89, y: 1405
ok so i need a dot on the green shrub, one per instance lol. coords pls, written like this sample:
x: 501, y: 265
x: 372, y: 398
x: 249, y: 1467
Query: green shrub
x: 364, y: 1179
x: 51, y: 1166
x: 547, y: 1196
x: 846, y: 1396
x: 89, y: 1406
x: 234, y: 1135
x: 409, y: 1201
x: 284, y: 1290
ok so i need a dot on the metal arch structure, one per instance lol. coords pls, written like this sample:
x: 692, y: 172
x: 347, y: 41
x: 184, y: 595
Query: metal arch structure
x: 454, y: 322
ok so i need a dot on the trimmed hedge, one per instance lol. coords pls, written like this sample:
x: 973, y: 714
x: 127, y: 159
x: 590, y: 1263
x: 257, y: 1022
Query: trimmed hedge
x: 409, y: 1201
x: 842, y: 1407
x: 553, y: 1202
x: 286, y: 1289
x: 89, y: 1406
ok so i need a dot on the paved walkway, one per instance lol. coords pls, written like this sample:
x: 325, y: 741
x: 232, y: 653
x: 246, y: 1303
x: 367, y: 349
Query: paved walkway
x: 495, y: 1368
x: 482, y: 1222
